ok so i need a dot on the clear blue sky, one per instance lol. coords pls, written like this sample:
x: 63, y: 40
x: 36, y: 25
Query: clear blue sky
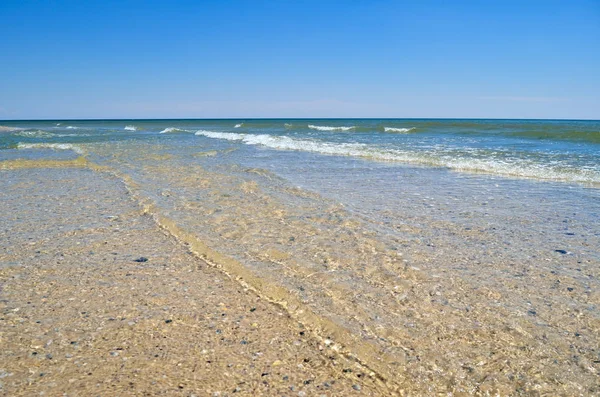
x: 169, y: 59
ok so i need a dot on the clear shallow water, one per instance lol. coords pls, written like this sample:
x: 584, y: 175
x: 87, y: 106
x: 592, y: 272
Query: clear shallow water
x: 463, y: 254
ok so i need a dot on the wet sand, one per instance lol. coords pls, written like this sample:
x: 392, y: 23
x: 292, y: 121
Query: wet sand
x: 96, y: 299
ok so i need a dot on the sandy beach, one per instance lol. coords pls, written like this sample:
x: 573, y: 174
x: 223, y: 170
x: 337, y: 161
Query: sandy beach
x: 97, y: 300
x: 135, y: 262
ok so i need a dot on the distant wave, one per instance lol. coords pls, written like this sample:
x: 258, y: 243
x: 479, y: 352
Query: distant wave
x: 70, y: 127
x: 9, y: 129
x: 329, y: 128
x: 464, y: 162
x: 53, y: 146
x: 130, y: 128
x: 230, y: 136
x: 34, y: 134
x: 238, y: 125
x: 171, y: 129
x: 400, y: 130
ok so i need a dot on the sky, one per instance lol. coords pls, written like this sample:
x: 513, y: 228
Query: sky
x: 280, y: 59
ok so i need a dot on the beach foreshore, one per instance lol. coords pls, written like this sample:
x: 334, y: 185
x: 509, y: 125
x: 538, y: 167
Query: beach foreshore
x: 97, y: 300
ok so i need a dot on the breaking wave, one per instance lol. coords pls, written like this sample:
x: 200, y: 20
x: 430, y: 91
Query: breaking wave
x: 34, y: 134
x: 130, y: 128
x: 238, y: 125
x: 10, y: 129
x: 400, y: 130
x: 329, y: 128
x: 454, y: 160
x: 172, y: 129
x: 53, y: 146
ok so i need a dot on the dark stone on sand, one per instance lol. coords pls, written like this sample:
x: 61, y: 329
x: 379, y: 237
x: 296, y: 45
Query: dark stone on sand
x: 308, y: 381
x: 292, y: 238
x: 264, y: 374
x: 141, y: 259
x: 561, y: 251
x: 356, y: 387
x: 570, y: 289
x: 244, y: 342
x: 253, y: 309
x: 532, y: 312
x: 168, y: 321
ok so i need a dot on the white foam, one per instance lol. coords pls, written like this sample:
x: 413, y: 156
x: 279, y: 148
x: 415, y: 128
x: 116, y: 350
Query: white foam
x: 329, y: 128
x: 401, y: 130
x: 172, y: 129
x: 130, y: 128
x: 453, y: 161
x: 230, y: 136
x: 35, y: 134
x: 238, y: 125
x: 70, y: 127
x: 53, y: 146
x: 9, y: 129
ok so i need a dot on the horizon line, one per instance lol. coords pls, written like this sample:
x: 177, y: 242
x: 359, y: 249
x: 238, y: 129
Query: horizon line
x: 298, y: 118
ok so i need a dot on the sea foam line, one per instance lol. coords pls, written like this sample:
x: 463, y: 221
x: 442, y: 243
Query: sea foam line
x: 394, y: 129
x: 329, y: 128
x: 10, y: 129
x: 53, y: 146
x: 455, y: 161
x: 129, y: 128
x: 172, y: 129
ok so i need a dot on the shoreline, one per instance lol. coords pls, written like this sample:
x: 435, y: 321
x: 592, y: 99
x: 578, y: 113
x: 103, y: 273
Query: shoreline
x: 97, y: 299
x: 404, y: 329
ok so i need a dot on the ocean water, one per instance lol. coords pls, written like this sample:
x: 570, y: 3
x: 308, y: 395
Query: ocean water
x: 444, y: 255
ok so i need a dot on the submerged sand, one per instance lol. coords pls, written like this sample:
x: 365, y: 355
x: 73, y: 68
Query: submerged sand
x: 97, y: 300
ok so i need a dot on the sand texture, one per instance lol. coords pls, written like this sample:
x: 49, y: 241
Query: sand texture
x: 97, y: 300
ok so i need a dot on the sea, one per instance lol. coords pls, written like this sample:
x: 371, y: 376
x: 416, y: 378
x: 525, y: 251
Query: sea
x: 459, y: 255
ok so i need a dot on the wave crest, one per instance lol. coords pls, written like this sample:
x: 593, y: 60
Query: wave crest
x: 10, y: 129
x: 53, y: 146
x: 129, y: 128
x: 34, y: 134
x: 457, y: 161
x: 400, y: 130
x: 172, y: 129
x: 330, y: 128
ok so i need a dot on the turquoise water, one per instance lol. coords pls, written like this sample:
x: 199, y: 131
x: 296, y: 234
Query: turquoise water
x: 549, y: 150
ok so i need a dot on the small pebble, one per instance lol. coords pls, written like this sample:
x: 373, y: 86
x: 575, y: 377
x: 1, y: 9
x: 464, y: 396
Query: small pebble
x: 561, y: 251
x: 141, y: 259
x: 356, y: 387
x: 168, y: 321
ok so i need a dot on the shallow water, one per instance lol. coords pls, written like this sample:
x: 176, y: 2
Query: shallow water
x: 434, y: 277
